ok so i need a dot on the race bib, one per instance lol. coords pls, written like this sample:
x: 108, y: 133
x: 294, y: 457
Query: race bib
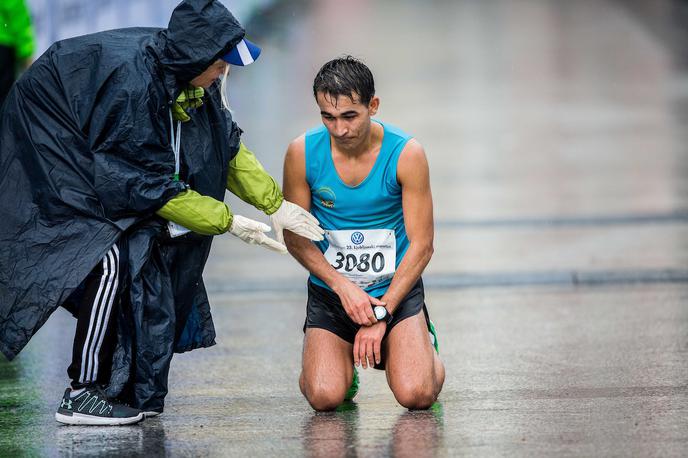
x: 366, y: 257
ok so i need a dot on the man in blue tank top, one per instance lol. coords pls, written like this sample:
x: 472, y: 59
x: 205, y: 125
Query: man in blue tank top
x: 368, y: 185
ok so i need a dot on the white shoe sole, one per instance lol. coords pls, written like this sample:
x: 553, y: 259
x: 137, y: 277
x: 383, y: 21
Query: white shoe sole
x: 91, y: 420
x: 150, y: 414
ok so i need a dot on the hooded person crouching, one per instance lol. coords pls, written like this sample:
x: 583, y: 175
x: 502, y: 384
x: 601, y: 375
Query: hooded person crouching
x: 115, y: 154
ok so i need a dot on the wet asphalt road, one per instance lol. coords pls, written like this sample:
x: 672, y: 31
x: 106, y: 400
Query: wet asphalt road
x: 556, y: 141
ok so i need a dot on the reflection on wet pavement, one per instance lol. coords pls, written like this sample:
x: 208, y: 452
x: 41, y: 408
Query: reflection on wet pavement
x: 332, y: 434
x: 418, y: 433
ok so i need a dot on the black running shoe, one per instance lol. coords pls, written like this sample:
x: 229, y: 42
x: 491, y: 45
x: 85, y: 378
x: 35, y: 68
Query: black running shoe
x: 92, y: 407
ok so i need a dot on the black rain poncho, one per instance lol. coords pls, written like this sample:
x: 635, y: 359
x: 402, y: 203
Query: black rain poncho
x: 86, y: 160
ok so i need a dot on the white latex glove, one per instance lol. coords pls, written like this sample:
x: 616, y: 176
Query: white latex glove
x: 294, y: 218
x: 253, y: 232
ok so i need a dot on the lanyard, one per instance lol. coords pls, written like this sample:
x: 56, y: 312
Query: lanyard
x: 175, y: 142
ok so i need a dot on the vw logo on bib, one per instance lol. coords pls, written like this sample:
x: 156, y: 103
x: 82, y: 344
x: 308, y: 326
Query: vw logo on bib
x: 357, y: 238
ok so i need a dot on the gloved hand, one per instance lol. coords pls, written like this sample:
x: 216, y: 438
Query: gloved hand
x: 253, y: 232
x: 294, y: 218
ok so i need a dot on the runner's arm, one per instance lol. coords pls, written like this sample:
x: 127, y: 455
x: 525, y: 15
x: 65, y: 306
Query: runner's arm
x: 296, y: 190
x: 355, y: 301
x: 414, y: 177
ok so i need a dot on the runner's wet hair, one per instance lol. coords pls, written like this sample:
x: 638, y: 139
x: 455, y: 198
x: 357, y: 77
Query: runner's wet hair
x: 345, y: 76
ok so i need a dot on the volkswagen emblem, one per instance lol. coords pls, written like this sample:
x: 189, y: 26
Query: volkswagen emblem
x: 357, y: 238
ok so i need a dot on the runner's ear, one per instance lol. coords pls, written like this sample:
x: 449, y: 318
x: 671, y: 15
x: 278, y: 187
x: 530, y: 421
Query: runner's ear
x: 374, y: 105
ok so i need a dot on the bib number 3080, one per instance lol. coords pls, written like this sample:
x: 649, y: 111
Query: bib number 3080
x: 366, y: 257
x: 364, y: 263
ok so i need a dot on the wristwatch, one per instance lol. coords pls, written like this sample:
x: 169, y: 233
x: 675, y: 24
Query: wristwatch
x: 381, y: 313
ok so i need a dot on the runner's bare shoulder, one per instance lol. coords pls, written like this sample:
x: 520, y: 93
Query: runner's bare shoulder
x: 296, y: 151
x: 413, y: 163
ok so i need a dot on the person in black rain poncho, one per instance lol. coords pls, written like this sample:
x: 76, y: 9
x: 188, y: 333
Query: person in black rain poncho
x: 116, y: 149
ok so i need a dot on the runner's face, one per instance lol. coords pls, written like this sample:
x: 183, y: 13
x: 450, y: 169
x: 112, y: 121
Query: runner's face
x: 208, y: 77
x: 346, y: 119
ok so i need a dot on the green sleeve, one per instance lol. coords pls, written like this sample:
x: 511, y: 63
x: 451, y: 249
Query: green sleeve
x: 22, y: 30
x: 249, y: 181
x: 201, y: 214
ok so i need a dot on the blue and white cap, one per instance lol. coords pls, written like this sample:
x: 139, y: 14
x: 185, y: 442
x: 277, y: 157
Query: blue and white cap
x: 244, y: 53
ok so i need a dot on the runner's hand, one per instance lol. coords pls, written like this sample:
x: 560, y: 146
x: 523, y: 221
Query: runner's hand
x: 368, y: 345
x: 294, y: 218
x: 357, y: 303
x: 253, y: 232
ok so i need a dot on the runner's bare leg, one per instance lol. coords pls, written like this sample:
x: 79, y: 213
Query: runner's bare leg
x: 414, y: 371
x: 327, y: 369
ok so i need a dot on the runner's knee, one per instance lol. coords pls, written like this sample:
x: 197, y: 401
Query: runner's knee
x: 324, y: 397
x: 415, y: 395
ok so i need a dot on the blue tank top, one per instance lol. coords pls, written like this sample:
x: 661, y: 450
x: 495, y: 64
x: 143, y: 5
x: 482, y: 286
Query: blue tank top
x: 358, y: 213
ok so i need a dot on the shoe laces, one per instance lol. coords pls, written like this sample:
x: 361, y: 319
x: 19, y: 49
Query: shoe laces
x: 100, y: 391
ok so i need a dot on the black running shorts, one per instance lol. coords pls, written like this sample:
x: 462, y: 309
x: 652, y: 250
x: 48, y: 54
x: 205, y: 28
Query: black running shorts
x: 324, y: 310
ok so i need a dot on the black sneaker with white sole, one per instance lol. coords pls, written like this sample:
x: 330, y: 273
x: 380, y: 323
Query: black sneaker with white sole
x: 92, y: 407
x: 151, y: 412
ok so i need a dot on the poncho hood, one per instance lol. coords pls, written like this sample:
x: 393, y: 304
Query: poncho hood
x: 199, y: 33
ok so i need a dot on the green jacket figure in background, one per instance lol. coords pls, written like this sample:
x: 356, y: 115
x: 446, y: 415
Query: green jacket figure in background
x: 17, y: 42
